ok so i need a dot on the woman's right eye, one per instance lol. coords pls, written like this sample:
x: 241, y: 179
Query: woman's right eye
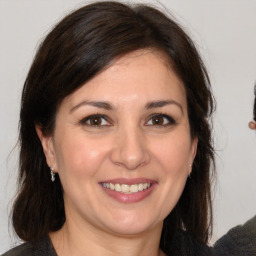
x: 95, y: 120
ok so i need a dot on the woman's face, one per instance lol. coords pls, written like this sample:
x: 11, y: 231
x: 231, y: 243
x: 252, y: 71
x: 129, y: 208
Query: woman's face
x: 122, y: 146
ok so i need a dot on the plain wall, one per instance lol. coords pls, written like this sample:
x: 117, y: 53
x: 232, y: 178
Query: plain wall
x: 225, y: 33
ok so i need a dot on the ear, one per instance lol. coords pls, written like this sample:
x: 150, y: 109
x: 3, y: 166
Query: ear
x: 194, y: 148
x: 193, y: 153
x: 47, y: 144
x: 194, y: 143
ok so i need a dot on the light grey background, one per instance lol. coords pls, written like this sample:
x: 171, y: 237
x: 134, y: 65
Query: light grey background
x: 225, y: 33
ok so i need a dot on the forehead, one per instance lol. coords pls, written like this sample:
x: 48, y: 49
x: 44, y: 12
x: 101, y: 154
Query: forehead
x: 143, y: 75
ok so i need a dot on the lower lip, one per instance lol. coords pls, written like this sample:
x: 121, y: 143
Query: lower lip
x: 129, y: 198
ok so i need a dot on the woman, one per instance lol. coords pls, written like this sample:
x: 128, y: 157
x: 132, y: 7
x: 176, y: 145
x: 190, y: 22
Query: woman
x: 240, y: 240
x: 115, y: 139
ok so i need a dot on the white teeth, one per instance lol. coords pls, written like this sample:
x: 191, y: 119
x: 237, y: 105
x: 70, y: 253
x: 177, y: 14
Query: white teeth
x: 140, y: 187
x: 124, y: 188
x: 117, y: 187
x: 134, y: 188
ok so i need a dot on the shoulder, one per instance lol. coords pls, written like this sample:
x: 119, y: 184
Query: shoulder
x: 21, y: 250
x: 186, y: 245
x: 240, y: 240
x: 42, y: 247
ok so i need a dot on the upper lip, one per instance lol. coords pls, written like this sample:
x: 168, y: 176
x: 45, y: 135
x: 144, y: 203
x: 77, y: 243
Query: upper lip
x: 128, y: 181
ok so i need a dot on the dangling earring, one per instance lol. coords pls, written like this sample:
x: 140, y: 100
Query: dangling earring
x: 190, y: 170
x: 52, y: 174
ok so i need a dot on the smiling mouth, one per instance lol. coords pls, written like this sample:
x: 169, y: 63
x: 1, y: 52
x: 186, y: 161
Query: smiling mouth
x: 125, y: 188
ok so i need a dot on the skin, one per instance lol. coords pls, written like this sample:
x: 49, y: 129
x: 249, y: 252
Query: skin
x: 252, y: 125
x: 127, y: 144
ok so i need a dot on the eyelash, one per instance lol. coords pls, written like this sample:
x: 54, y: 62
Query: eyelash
x: 170, y: 120
x: 167, y: 120
x: 91, y: 117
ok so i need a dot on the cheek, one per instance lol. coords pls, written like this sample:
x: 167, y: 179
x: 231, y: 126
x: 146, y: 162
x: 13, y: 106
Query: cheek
x: 80, y: 156
x: 173, y: 153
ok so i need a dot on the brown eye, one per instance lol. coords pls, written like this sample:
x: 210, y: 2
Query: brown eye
x: 96, y: 121
x: 158, y: 120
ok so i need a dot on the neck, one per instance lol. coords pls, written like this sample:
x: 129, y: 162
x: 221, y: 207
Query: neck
x: 76, y: 240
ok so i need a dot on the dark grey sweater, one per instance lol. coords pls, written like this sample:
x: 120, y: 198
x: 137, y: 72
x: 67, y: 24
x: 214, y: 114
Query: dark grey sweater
x: 184, y: 245
x: 239, y: 241
x: 42, y: 248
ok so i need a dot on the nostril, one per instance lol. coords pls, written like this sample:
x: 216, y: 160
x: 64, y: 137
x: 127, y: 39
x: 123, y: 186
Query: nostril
x: 130, y: 160
x: 130, y: 150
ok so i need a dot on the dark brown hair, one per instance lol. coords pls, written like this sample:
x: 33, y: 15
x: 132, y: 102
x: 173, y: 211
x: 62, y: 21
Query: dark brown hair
x: 78, y: 48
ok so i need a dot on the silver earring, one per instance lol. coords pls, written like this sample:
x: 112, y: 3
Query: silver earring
x: 190, y: 170
x: 52, y: 175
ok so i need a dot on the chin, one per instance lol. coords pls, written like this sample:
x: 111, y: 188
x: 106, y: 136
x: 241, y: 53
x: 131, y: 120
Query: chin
x: 133, y: 226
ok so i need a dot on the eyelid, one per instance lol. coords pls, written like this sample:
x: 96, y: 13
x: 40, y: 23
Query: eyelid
x: 84, y: 120
x: 171, y: 120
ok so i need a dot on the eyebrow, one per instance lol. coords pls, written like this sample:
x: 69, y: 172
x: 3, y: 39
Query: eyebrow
x: 97, y: 104
x: 107, y: 106
x: 162, y: 103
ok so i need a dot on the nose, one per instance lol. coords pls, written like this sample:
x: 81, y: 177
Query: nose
x: 130, y: 149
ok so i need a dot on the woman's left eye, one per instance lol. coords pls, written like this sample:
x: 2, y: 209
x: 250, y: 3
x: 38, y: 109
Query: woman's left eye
x: 160, y: 120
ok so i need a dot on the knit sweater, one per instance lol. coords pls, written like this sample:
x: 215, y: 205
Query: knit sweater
x: 184, y: 245
x: 239, y: 241
x: 43, y: 247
